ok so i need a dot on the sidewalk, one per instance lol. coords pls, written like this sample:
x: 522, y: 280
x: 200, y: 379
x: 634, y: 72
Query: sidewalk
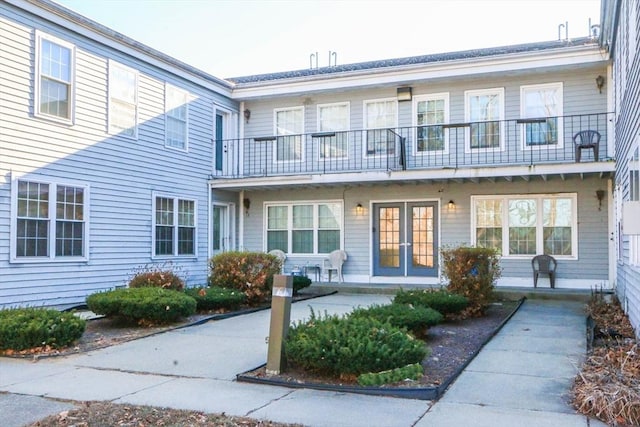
x: 521, y: 377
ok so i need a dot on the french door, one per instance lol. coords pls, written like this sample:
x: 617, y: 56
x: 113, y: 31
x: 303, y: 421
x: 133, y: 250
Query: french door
x: 405, y: 239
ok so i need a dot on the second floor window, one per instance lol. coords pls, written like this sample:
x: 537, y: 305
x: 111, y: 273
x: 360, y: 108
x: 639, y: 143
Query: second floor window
x: 431, y: 112
x: 176, y: 117
x: 123, y: 100
x: 289, y: 127
x: 54, y: 80
x: 484, y: 109
x: 542, y: 101
x: 334, y: 118
x: 380, y: 120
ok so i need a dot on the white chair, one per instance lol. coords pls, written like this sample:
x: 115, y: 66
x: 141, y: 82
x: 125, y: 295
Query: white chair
x: 282, y: 257
x: 334, y: 262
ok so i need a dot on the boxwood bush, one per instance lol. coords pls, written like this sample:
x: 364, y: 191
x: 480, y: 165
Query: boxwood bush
x: 349, y: 346
x: 214, y: 298
x: 25, y: 328
x: 155, y: 305
x: 415, y: 318
x: 440, y: 300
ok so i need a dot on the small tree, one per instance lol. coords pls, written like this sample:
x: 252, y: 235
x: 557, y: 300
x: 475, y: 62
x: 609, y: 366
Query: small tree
x: 472, y: 272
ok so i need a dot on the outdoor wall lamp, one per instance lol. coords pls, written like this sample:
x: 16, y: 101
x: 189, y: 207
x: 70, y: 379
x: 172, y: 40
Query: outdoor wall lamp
x: 451, y: 205
x: 247, y: 115
x: 600, y: 83
x: 600, y: 197
x: 359, y: 209
x: 247, y: 204
x: 404, y: 94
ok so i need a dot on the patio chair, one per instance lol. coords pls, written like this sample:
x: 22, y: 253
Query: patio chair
x: 587, y: 140
x: 334, y: 262
x: 282, y: 257
x: 545, y: 264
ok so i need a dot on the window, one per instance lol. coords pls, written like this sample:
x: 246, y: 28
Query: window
x: 542, y: 101
x: 634, y: 196
x: 49, y: 221
x: 380, y: 120
x: 289, y: 125
x: 526, y: 225
x: 430, y: 113
x: 54, y: 78
x: 123, y: 100
x: 484, y: 109
x: 334, y: 118
x: 176, y: 109
x: 304, y: 228
x: 174, y: 226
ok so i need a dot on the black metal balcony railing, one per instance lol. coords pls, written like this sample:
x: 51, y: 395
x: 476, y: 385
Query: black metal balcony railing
x: 458, y: 145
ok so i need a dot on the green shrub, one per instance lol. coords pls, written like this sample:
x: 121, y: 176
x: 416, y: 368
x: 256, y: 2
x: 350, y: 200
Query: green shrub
x: 156, y: 277
x: 216, y: 298
x: 416, y: 319
x: 440, y: 300
x: 409, y: 372
x: 300, y: 282
x: 25, y: 328
x: 350, y: 346
x: 472, y: 272
x: 142, y: 305
x: 248, y: 272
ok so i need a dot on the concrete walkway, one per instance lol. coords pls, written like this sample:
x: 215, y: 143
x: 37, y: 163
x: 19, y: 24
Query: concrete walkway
x: 521, y: 377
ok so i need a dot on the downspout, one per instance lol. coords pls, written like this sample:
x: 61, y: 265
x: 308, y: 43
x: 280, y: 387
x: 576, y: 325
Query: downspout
x: 611, y: 221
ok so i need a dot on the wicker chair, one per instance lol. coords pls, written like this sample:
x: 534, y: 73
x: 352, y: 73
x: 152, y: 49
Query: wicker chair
x: 545, y: 264
x: 334, y: 262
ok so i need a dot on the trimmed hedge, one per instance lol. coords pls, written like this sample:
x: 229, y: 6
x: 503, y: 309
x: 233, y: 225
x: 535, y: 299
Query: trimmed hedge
x: 440, y: 300
x: 155, y: 305
x: 25, y: 328
x: 300, y: 282
x: 416, y: 319
x: 350, y: 346
x: 248, y: 272
x: 215, y: 298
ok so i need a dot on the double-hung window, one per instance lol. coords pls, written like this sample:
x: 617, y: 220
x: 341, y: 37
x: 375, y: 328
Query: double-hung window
x: 380, y: 121
x: 430, y: 113
x: 484, y: 110
x: 123, y: 100
x: 49, y: 221
x: 524, y: 226
x: 289, y: 127
x: 542, y: 102
x: 55, y: 61
x: 174, y: 226
x: 334, y: 118
x: 304, y: 228
x: 176, y: 107
x: 634, y: 196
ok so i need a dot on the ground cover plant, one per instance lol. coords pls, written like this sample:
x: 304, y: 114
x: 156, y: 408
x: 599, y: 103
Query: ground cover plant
x: 440, y: 300
x: 416, y: 319
x: 608, y: 384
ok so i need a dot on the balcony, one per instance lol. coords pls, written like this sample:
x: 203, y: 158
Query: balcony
x: 518, y: 142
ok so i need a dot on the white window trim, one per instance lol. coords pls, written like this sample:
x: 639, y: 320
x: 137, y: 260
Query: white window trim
x: 114, y: 64
x: 52, y: 258
x: 154, y: 196
x: 37, y: 77
x: 169, y: 87
x: 366, y: 125
x: 275, y: 132
x: 560, y: 114
x: 430, y: 97
x: 335, y: 104
x: 467, y: 118
x: 634, y: 240
x: 539, y: 233
x: 289, y: 205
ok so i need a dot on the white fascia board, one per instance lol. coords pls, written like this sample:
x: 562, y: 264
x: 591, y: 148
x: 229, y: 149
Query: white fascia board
x: 139, y: 51
x: 581, y: 55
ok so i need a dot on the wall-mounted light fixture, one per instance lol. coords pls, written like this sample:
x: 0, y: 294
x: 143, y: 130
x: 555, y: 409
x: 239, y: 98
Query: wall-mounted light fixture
x: 451, y: 205
x: 600, y: 197
x: 359, y: 209
x: 247, y: 115
x: 404, y: 94
x: 600, y: 83
x: 247, y: 204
